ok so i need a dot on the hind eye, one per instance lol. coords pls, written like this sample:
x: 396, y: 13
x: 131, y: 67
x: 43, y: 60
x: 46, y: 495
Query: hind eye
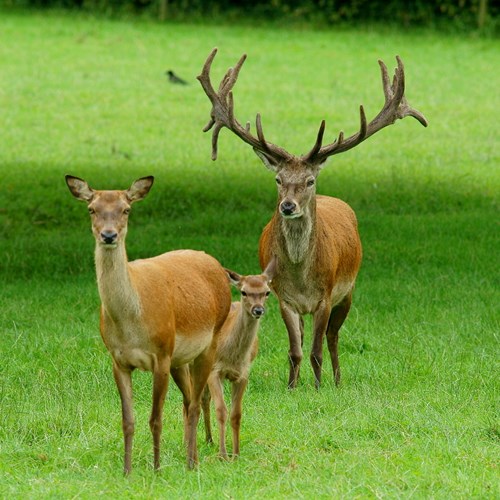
x: 91, y: 211
x: 244, y: 294
x: 126, y: 211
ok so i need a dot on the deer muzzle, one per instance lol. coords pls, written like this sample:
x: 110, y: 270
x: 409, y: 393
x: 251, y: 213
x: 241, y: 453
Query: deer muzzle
x: 258, y: 311
x: 289, y: 209
x: 109, y: 238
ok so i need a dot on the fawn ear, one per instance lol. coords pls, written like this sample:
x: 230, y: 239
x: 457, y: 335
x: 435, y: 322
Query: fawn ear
x: 140, y: 188
x: 270, y: 270
x: 79, y: 188
x: 234, y: 278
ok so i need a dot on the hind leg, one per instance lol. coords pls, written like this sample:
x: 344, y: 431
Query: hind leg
x: 337, y: 318
x: 183, y: 381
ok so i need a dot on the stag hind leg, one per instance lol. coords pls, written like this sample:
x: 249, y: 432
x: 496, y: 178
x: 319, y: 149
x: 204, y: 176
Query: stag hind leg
x: 337, y: 318
x: 123, y: 379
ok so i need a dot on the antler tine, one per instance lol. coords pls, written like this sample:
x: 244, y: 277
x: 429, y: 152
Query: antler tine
x: 317, y: 144
x: 204, y: 77
x: 222, y: 113
x: 395, y: 107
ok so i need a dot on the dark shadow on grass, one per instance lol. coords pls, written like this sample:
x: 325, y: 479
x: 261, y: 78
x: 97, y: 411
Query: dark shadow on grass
x: 46, y: 234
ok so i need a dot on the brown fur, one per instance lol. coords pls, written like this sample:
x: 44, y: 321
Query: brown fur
x: 315, y: 240
x: 319, y: 255
x: 236, y: 350
x: 157, y: 314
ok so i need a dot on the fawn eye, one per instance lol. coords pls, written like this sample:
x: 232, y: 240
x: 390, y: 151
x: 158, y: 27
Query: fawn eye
x: 267, y: 294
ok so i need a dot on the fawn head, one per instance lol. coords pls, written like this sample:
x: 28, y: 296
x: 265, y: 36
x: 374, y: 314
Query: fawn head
x: 109, y: 210
x: 254, y: 289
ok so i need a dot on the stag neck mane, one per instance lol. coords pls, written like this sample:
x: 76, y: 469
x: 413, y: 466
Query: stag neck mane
x: 298, y: 235
x: 117, y: 293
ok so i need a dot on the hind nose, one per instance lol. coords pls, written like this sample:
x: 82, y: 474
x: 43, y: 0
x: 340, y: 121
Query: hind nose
x: 109, y: 237
x: 258, y: 311
x: 288, y: 207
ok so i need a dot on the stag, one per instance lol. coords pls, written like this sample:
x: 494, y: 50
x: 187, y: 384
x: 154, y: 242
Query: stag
x: 314, y: 238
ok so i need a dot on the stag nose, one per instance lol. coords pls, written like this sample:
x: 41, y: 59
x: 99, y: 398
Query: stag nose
x: 258, y: 311
x: 288, y: 207
x: 109, y: 237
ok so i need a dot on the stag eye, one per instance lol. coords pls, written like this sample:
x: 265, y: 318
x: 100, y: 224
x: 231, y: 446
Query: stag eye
x: 310, y: 182
x: 278, y: 181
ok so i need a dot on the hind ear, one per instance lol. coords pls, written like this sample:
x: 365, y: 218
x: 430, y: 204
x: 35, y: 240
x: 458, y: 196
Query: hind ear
x: 79, y: 188
x: 140, y: 188
x: 270, y: 270
x: 234, y: 278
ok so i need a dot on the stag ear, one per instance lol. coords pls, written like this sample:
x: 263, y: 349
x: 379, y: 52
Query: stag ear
x: 140, y: 188
x: 268, y: 160
x: 79, y: 188
x: 319, y: 166
x: 234, y: 278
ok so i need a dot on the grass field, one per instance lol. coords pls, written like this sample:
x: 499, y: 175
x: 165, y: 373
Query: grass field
x: 417, y: 414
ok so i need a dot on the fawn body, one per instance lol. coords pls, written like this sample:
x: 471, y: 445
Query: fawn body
x: 236, y: 349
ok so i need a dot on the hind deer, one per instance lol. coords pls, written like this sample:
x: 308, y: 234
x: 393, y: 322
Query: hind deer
x: 315, y: 238
x: 157, y: 314
x: 236, y: 350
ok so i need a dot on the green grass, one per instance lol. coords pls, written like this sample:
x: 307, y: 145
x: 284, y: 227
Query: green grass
x: 417, y: 413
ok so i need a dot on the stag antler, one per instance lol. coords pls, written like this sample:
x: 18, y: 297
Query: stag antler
x: 396, y: 107
x: 222, y: 114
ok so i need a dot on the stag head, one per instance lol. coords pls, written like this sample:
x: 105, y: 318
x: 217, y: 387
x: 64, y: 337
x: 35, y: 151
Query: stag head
x: 296, y: 175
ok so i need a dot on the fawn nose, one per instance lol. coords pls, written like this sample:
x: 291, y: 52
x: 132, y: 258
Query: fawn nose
x: 109, y: 237
x: 288, y: 207
x: 258, y: 311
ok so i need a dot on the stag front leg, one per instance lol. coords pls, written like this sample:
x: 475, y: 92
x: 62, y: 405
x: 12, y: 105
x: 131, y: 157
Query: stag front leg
x: 161, y: 374
x: 123, y: 379
x: 337, y: 318
x: 293, y: 325
x: 320, y: 322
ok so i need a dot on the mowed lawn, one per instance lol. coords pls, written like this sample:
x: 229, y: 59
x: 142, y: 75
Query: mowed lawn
x: 417, y: 414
